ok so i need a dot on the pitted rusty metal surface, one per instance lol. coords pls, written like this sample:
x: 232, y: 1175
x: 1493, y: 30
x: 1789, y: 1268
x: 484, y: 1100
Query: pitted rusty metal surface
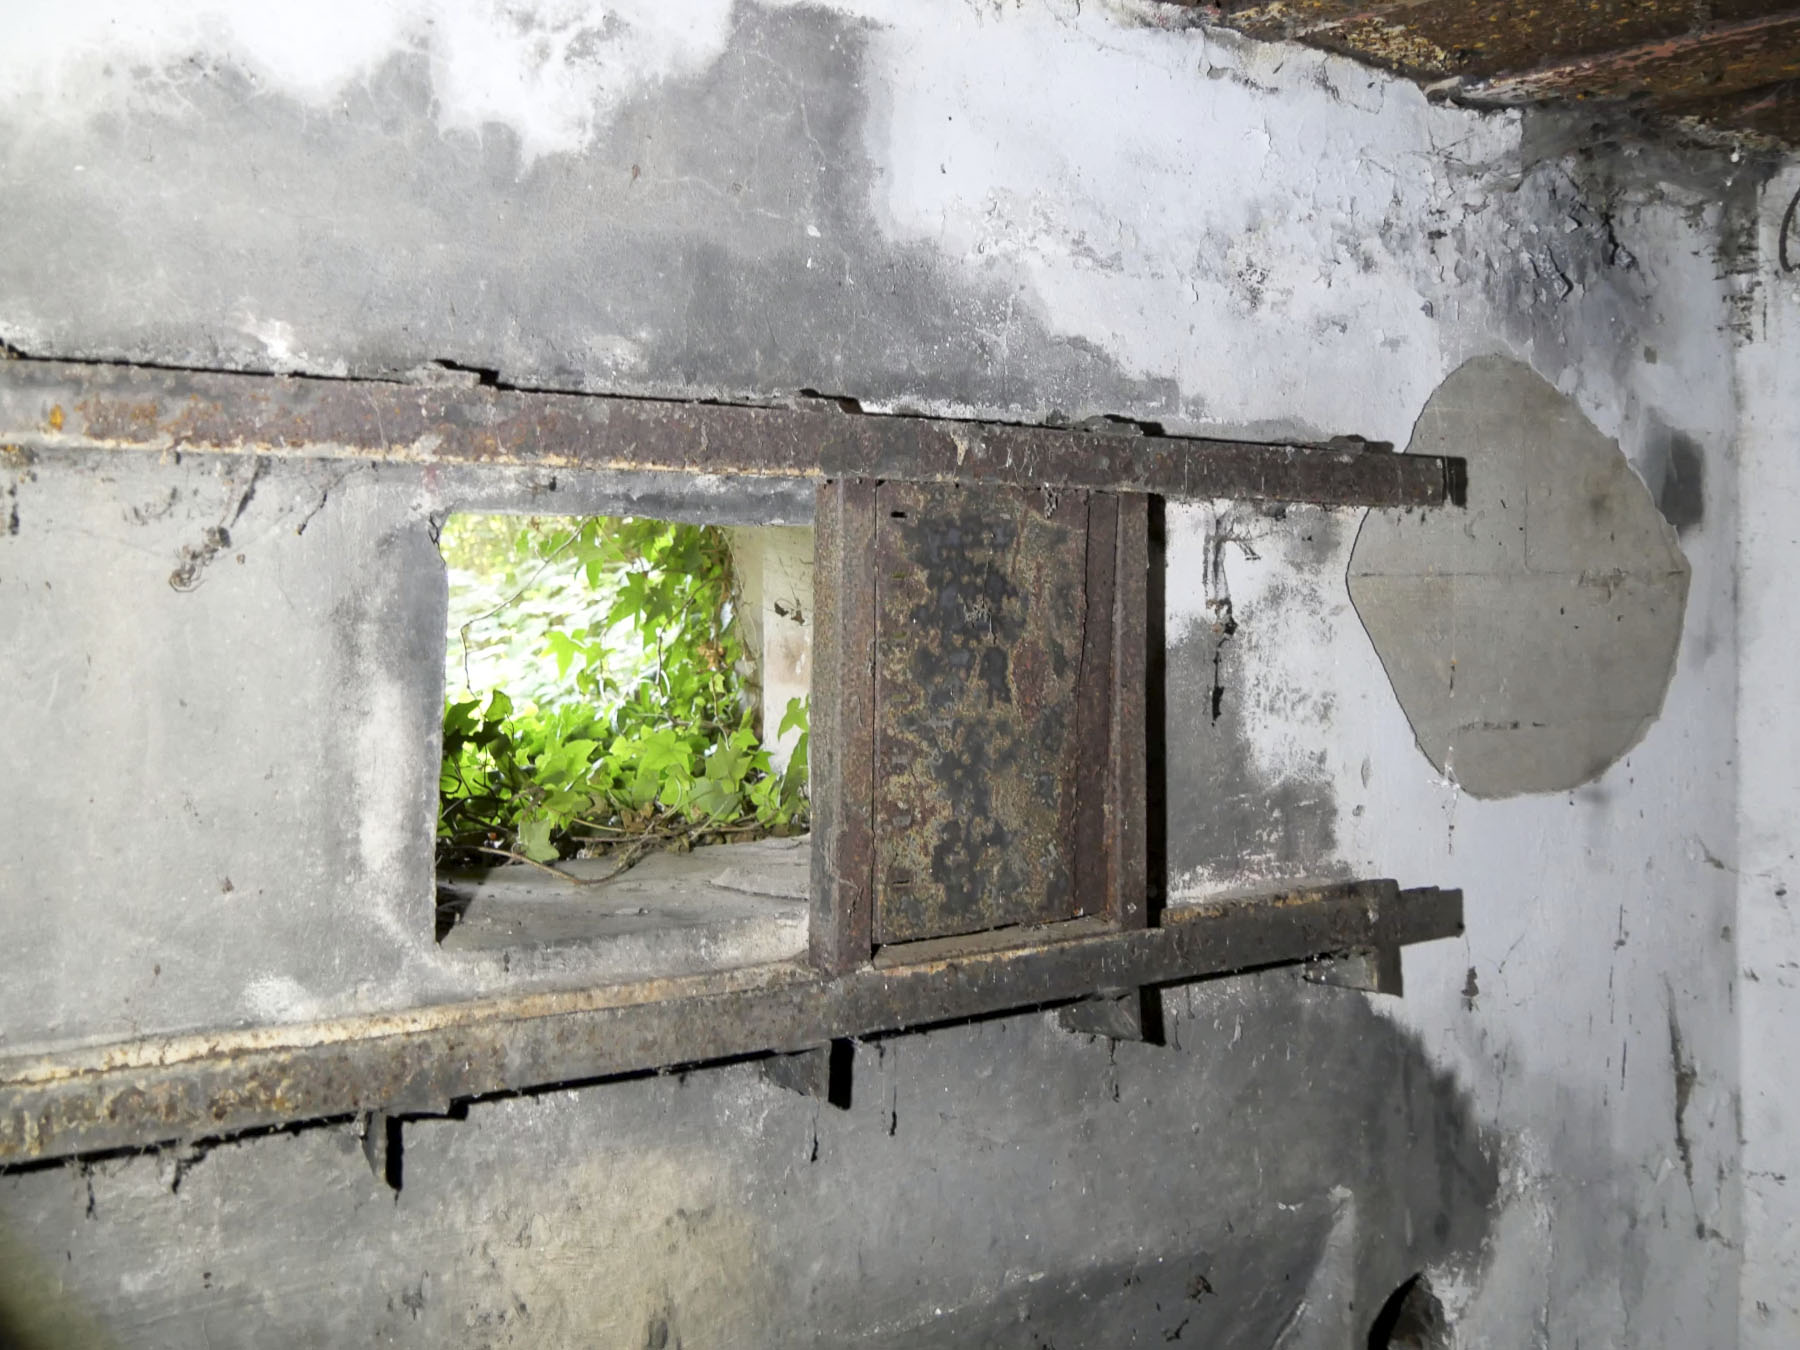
x: 50, y: 406
x: 1728, y: 64
x: 153, y: 1091
x: 1445, y: 37
x: 1712, y: 63
x: 980, y: 626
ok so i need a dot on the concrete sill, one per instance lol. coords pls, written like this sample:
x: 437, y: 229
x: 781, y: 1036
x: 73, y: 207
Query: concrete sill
x: 719, y: 907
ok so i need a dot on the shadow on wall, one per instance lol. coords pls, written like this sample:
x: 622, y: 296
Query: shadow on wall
x: 1271, y: 1179
x: 1531, y: 638
x: 37, y: 1310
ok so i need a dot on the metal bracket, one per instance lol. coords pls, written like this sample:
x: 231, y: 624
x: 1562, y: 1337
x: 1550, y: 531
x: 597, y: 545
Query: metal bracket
x: 1118, y: 1015
x: 822, y: 1072
x: 1374, y: 970
x: 383, y: 1146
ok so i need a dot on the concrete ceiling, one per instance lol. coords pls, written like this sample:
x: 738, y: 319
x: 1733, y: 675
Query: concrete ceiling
x: 1728, y: 65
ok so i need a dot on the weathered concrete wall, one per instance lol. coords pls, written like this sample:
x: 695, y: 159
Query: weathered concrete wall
x: 774, y: 569
x: 237, y: 736
x: 1768, y: 748
x: 998, y: 1184
x: 992, y: 209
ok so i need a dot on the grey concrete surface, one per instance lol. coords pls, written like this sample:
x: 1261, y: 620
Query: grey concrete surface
x: 1002, y: 1184
x: 717, y: 907
x: 234, y: 681
x: 718, y: 238
x: 1236, y: 820
x: 1531, y: 638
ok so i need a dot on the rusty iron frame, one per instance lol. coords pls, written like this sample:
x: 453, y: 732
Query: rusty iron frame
x: 167, y: 1089
x: 842, y: 772
x: 1127, y: 766
x: 1106, y: 828
x: 993, y: 613
x: 157, y: 1089
x: 49, y: 405
x: 1102, y: 831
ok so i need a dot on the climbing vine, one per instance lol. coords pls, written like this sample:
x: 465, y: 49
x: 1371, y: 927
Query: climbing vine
x: 625, y: 723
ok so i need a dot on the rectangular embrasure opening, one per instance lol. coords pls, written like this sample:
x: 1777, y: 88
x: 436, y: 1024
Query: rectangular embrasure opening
x: 624, y: 770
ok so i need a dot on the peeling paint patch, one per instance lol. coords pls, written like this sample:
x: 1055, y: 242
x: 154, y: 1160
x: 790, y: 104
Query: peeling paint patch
x: 1530, y: 638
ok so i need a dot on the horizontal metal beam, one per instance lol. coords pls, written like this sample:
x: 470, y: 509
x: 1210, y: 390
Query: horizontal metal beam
x: 48, y: 405
x: 145, y: 1092
x: 1669, y: 56
x: 1707, y: 62
x: 1435, y: 38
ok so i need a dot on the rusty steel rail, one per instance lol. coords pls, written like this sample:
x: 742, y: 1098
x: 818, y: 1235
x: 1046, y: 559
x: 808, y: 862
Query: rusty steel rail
x: 48, y: 405
x: 147, y: 1092
x: 1706, y: 62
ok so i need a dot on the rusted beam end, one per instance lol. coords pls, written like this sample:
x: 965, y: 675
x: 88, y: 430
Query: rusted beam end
x: 1712, y: 61
x: 1767, y: 115
x: 1723, y: 75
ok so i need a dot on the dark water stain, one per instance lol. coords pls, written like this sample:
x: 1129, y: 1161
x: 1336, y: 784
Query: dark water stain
x: 1221, y: 809
x: 1681, y: 493
x: 1685, y: 1076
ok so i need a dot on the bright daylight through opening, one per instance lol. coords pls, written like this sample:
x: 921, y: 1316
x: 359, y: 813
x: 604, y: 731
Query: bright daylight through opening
x: 615, y: 689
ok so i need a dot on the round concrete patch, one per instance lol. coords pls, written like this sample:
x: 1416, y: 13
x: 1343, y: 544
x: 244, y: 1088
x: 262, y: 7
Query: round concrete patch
x: 1530, y: 637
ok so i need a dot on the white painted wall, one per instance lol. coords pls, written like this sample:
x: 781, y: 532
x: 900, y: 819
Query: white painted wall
x: 550, y: 71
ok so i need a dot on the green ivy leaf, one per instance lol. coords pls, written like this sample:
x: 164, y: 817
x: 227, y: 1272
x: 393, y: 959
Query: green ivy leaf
x: 534, y: 839
x: 795, y: 718
x: 459, y: 718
